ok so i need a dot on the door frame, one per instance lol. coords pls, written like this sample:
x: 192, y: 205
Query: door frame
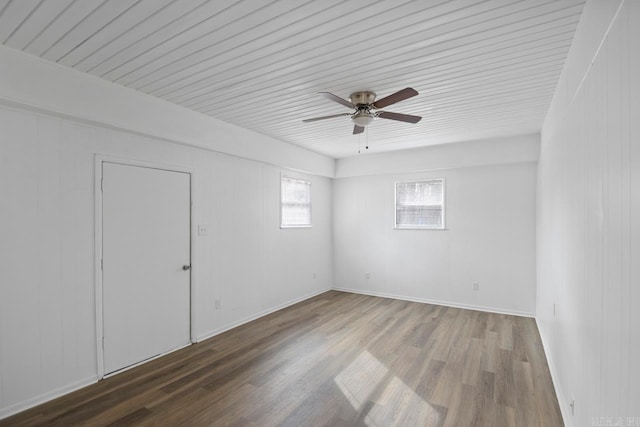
x: 99, y: 160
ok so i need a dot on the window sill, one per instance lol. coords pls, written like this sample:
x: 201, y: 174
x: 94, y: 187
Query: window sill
x: 420, y: 228
x: 295, y: 226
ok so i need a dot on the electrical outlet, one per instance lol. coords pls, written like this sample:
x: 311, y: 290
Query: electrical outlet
x: 203, y: 230
x: 217, y: 304
x: 476, y: 286
x: 367, y: 276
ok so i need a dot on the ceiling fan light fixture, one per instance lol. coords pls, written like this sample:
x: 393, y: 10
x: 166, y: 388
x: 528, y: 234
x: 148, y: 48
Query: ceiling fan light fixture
x: 362, y: 118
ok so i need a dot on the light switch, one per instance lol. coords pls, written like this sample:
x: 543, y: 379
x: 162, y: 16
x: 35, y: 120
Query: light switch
x: 203, y: 230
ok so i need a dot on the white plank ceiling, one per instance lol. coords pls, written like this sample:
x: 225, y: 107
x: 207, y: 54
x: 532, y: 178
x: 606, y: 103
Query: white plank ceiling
x: 483, y: 68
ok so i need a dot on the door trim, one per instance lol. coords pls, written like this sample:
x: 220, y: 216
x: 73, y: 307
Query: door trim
x: 99, y: 160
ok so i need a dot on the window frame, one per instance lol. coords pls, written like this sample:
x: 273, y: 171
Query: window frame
x: 297, y: 179
x: 414, y: 226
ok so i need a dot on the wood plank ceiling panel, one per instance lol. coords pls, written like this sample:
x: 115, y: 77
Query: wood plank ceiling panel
x: 484, y: 68
x: 36, y: 22
x: 13, y: 13
x: 59, y: 25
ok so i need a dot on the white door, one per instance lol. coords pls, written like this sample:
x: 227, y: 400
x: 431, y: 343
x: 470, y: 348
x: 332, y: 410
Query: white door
x: 146, y: 260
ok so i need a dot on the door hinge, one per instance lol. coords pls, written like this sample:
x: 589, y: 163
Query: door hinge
x: 101, y: 264
x: 103, y: 342
x: 101, y: 184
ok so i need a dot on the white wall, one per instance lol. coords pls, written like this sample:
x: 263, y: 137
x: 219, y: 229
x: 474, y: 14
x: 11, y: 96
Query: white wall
x: 47, y: 306
x: 489, y: 236
x: 589, y: 220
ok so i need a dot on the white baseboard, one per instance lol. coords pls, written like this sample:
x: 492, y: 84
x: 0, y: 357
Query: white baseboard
x: 45, y: 397
x: 248, y: 319
x: 562, y: 401
x: 437, y: 302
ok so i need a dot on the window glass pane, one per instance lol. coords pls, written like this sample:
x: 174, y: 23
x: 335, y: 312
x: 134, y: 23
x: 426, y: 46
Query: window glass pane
x: 296, y: 214
x: 419, y: 193
x: 419, y: 216
x: 295, y: 191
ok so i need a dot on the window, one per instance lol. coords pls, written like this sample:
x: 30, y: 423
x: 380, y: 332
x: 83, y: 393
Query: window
x: 420, y: 204
x: 295, y: 203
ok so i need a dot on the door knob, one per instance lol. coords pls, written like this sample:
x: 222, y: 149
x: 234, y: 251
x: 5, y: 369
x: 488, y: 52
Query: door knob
x: 186, y: 267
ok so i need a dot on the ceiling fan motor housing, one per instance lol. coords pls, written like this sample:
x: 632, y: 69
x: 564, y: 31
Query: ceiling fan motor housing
x: 362, y: 98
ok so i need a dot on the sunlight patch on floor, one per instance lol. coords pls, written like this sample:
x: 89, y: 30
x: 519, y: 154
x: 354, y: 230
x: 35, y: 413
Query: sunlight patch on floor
x: 360, y: 379
x: 396, y: 404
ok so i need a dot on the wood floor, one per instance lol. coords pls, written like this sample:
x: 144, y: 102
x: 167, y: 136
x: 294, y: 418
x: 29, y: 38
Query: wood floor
x: 336, y: 359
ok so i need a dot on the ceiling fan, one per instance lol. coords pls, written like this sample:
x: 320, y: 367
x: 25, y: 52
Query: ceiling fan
x: 366, y: 107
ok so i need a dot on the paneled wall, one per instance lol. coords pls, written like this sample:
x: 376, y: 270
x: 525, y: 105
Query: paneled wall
x: 489, y: 237
x: 589, y: 221
x: 47, y: 305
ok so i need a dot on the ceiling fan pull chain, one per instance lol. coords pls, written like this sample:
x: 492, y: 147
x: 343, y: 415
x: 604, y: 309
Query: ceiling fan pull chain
x: 366, y: 135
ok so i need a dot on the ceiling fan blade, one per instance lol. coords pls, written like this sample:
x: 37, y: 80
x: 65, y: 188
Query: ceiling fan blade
x: 400, y: 95
x: 357, y: 129
x: 336, y: 98
x: 400, y: 117
x: 326, y: 117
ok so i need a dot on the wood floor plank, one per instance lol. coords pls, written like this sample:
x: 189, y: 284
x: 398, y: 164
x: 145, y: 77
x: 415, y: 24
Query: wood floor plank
x: 471, y: 371
x: 489, y: 352
x: 337, y: 359
x: 485, y: 406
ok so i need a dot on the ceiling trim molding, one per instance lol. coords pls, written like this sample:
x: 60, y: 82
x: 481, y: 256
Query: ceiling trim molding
x: 464, y: 154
